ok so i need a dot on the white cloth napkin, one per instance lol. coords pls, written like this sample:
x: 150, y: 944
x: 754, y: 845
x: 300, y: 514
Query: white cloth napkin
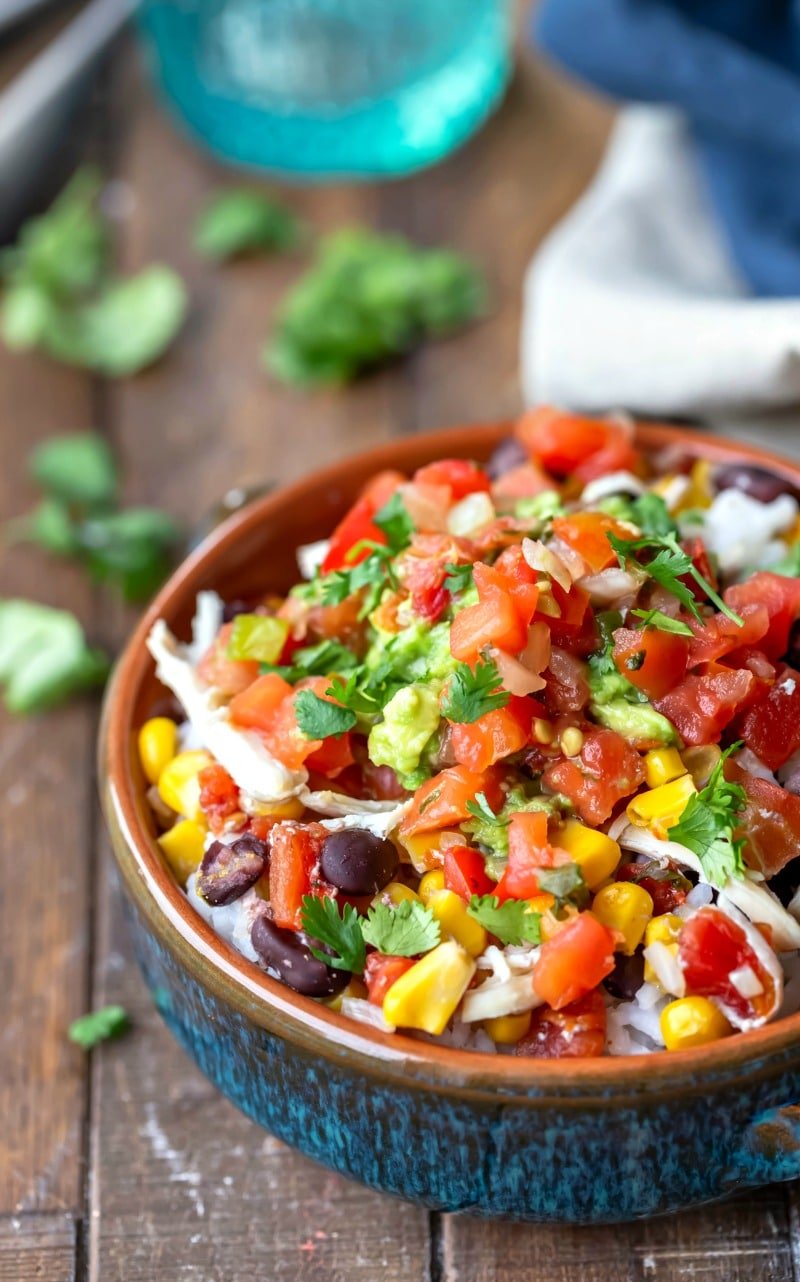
x: 632, y: 301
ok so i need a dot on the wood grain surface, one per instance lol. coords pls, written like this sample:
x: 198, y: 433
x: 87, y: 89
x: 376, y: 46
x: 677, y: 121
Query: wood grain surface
x: 126, y: 1164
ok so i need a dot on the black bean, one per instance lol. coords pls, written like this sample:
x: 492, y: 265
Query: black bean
x: 761, y: 485
x: 357, y: 861
x: 627, y: 976
x: 792, y: 656
x: 286, y: 953
x: 228, y: 871
x: 231, y: 608
x: 509, y: 454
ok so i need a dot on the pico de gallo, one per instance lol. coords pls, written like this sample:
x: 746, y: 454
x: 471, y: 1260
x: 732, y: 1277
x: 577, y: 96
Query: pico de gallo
x: 516, y: 765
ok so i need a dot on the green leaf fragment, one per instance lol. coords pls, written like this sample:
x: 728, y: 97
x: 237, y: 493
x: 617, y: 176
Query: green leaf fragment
x: 512, y: 922
x: 318, y: 718
x: 99, y: 1026
x: 341, y: 932
x: 242, y: 221
x: 402, y: 931
x: 78, y: 468
x: 44, y: 657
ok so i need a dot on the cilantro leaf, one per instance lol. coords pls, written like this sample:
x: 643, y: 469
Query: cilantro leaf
x: 321, y: 920
x: 512, y: 922
x: 459, y: 578
x: 481, y: 809
x: 404, y: 931
x: 257, y: 636
x: 368, y: 298
x: 316, y: 661
x: 372, y: 575
x: 350, y: 694
x: 77, y: 469
x: 99, y: 1026
x: 650, y: 513
x: 668, y: 567
x: 241, y: 221
x: 663, y: 622
x: 708, y: 823
x: 319, y: 718
x: 44, y: 657
x: 49, y: 525
x: 394, y: 520
x: 563, y: 882
x: 131, y: 549
x: 468, y: 695
x: 490, y: 829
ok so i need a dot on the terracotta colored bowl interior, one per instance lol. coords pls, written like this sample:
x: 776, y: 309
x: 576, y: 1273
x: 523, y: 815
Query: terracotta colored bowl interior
x: 255, y: 551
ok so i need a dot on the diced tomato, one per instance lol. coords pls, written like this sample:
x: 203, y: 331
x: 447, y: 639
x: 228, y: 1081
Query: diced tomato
x: 219, y: 796
x: 495, y: 620
x: 652, y: 660
x: 567, y: 682
x: 338, y: 622
x: 511, y: 573
x: 569, y: 444
x: 574, y: 961
x: 381, y: 487
x: 381, y: 971
x: 355, y: 527
x: 720, y: 636
x: 294, y: 853
x: 780, y: 595
x: 702, y: 706
x: 770, y: 821
x: 607, y: 769
x: 529, y: 852
x: 577, y: 1031
x: 465, y: 872
x: 441, y: 802
x: 229, y: 676
x: 587, y: 533
x: 521, y: 482
x: 710, y: 948
x: 333, y: 756
x: 771, y: 727
x: 255, y: 707
x: 494, y: 735
x: 461, y: 475
x: 667, y: 887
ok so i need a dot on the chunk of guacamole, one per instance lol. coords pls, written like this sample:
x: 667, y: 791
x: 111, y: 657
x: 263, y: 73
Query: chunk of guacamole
x: 409, y: 719
x: 619, y: 705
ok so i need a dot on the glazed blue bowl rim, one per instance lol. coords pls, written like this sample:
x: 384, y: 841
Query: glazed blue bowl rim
x: 301, y: 1020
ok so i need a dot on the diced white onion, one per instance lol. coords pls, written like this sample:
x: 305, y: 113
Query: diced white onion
x: 746, y: 982
x: 491, y: 1000
x: 471, y: 514
x: 310, y: 557
x: 762, y: 906
x: 611, y: 586
x: 612, y: 483
x: 666, y: 967
x: 426, y: 505
x: 516, y: 678
x: 366, y: 1013
x: 542, y: 559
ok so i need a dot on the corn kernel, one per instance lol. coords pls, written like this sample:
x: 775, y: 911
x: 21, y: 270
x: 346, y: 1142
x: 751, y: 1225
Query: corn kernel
x: 625, y: 907
x: 430, y: 883
x: 355, y: 988
x: 541, y: 903
x: 692, y: 1021
x: 662, y: 765
x: 158, y: 743
x: 571, y: 741
x: 179, y: 783
x: 426, y: 996
x: 663, y: 929
x: 291, y: 808
x: 506, y: 1030
x: 397, y: 892
x: 424, y: 850
x: 543, y: 730
x: 661, y: 807
x: 183, y: 847
x: 451, y: 913
x: 595, y: 853
x: 698, y: 493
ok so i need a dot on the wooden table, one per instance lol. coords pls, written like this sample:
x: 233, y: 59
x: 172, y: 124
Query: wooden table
x: 126, y: 1164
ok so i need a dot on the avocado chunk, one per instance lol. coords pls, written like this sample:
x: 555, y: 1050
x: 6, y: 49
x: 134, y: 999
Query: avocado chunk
x: 409, y: 719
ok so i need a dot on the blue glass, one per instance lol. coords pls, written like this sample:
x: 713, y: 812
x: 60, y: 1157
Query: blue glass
x: 330, y: 88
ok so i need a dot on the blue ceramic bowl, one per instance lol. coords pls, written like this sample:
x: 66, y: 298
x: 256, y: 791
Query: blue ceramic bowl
x: 580, y: 1141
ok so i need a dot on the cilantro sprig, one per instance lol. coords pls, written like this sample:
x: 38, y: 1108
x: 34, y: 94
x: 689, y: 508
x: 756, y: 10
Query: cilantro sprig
x: 318, y: 718
x: 469, y: 695
x: 663, y: 622
x: 341, y: 932
x: 668, y: 567
x: 99, y: 1026
x: 459, y: 577
x: 708, y: 823
x: 404, y: 931
x: 512, y: 922
x: 372, y: 576
x: 393, y: 518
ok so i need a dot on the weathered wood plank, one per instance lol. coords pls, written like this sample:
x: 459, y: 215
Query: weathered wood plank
x: 46, y: 783
x: 37, y: 1248
x: 744, y: 1240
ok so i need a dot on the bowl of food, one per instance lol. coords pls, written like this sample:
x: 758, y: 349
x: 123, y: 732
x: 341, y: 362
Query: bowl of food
x: 455, y: 793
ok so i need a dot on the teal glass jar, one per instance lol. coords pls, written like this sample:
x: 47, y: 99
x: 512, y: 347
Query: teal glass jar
x: 324, y: 89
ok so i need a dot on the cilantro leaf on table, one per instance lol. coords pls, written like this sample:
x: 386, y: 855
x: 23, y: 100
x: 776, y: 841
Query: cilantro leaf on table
x: 318, y: 718
x: 468, y: 695
x: 663, y: 622
x: 44, y: 656
x: 131, y: 549
x: 563, y: 882
x: 62, y: 254
x: 365, y: 299
x: 77, y: 468
x: 393, y: 518
x: 708, y: 823
x: 459, y: 578
x: 404, y: 931
x: 321, y: 920
x: 99, y: 1026
x: 512, y: 922
x: 243, y: 221
x: 668, y: 567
